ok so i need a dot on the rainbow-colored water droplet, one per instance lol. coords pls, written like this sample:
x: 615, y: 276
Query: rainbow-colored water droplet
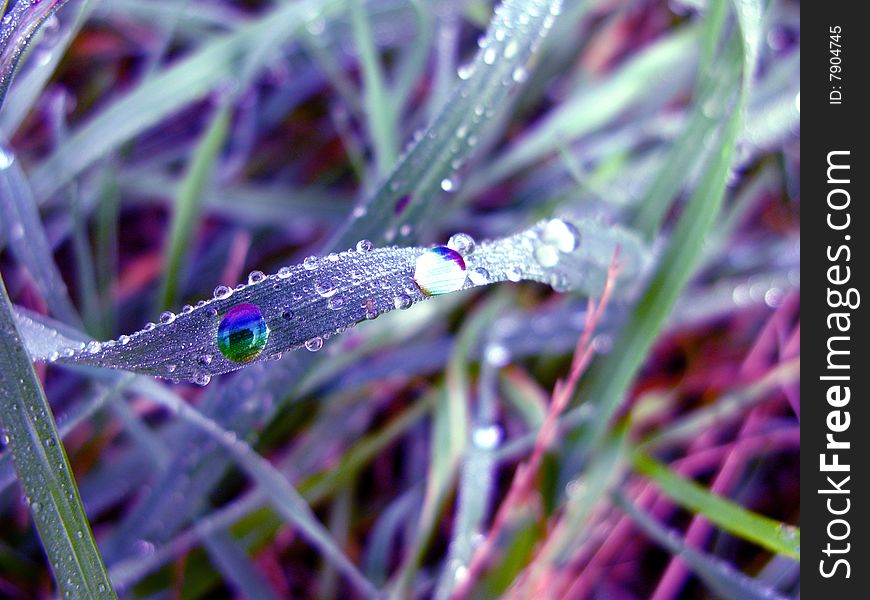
x: 439, y: 270
x: 242, y: 333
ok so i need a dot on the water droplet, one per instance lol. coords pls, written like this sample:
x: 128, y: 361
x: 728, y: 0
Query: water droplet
x: 489, y: 56
x: 53, y: 357
x: 465, y: 71
x: 242, y: 333
x: 514, y: 274
x: 204, y: 360
x: 511, y: 49
x: 364, y: 246
x: 186, y: 309
x: 201, y: 378
x: 332, y: 256
x: 93, y: 347
x: 774, y: 297
x: 256, y: 277
x: 462, y: 243
x: 370, y: 308
x: 170, y: 368
x: 285, y: 273
x: 335, y: 303
x: 486, y: 438
x: 447, y: 184
x: 124, y: 340
x: 547, y: 255
x: 149, y: 327
x: 310, y: 263
x: 222, y: 292
x: 326, y: 287
x: 314, y: 344
x: 561, y: 234
x: 167, y: 317
x: 439, y: 270
x: 479, y: 276
x: 35, y: 507
x: 402, y: 302
x: 520, y: 75
x: 500, y: 35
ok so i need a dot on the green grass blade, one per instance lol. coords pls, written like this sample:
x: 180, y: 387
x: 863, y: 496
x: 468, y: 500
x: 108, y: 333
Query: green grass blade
x: 187, y: 206
x: 730, y: 516
x: 610, y: 380
x: 44, y: 470
x: 723, y: 579
x: 379, y: 111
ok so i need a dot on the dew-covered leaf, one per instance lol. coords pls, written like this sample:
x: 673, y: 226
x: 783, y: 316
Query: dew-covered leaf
x: 303, y: 305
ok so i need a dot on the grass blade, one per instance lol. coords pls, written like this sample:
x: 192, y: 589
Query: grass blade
x: 381, y: 113
x: 43, y: 469
x: 733, y: 518
x: 723, y: 579
x: 187, y: 206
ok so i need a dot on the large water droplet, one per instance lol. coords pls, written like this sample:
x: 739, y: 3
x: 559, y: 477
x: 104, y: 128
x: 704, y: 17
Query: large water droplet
x: 547, y: 255
x: 514, y: 274
x: 364, y: 246
x: 167, y: 317
x: 222, y: 292
x: 256, y: 277
x: 447, y: 184
x: 561, y: 234
x: 201, y: 378
x: 310, y: 263
x: 489, y: 56
x: 486, y: 438
x: 314, y: 344
x: 479, y: 276
x: 285, y: 272
x: 462, y: 243
x: 402, y: 301
x: 242, y: 333
x: 439, y: 270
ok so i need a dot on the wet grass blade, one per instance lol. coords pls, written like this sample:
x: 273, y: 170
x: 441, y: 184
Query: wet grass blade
x: 775, y: 536
x: 428, y: 169
x: 44, y: 470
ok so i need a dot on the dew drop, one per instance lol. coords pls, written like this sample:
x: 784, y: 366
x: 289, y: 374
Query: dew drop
x: 462, y: 243
x: 124, y: 340
x: 285, y: 273
x: 256, y: 277
x: 479, y: 276
x: 242, y: 333
x: 326, y: 288
x: 335, y: 303
x: 511, y: 49
x: 212, y: 311
x: 447, y: 184
x: 93, y: 347
x: 439, y: 270
x: 314, y: 344
x: 547, y: 255
x: 514, y: 274
x: 364, y: 246
x: 497, y: 355
x: 402, y: 301
x: 310, y: 263
x: 201, y: 378
x: 222, y: 292
x: 167, y: 317
x: 149, y: 327
x: 186, y: 309
x: 489, y: 56
x: 332, y: 256
x: 561, y: 234
x: 170, y: 368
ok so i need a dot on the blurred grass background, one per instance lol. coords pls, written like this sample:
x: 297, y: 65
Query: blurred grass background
x: 153, y: 150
